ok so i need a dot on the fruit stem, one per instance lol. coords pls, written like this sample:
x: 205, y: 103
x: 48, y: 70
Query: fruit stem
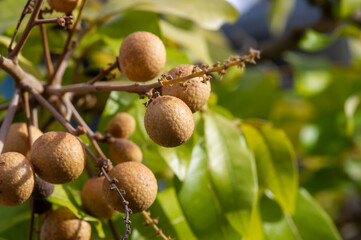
x: 9, y: 117
x: 44, y: 40
x: 150, y: 221
x: 25, y: 102
x: 103, y: 73
x: 31, y: 223
x: 113, y: 229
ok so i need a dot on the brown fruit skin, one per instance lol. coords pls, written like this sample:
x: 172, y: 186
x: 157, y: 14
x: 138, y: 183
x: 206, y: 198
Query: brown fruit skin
x: 122, y: 125
x: 17, y: 179
x: 169, y: 121
x: 142, y: 56
x: 58, y: 157
x: 195, y: 93
x: 93, y: 199
x: 138, y: 182
x: 17, y: 138
x: 123, y: 150
x: 62, y: 224
x: 65, y: 6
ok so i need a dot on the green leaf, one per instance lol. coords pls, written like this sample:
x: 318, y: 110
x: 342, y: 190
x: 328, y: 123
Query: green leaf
x: 199, y: 201
x: 275, y: 161
x: 315, y: 41
x: 232, y: 169
x: 348, y: 7
x: 351, y: 105
x: 11, y: 216
x: 10, y: 13
x: 309, y: 222
x: 280, y: 11
x: 209, y: 14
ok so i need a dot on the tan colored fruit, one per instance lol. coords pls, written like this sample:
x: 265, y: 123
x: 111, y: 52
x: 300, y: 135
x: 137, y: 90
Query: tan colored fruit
x: 122, y: 125
x: 195, y: 93
x: 62, y: 224
x: 17, y: 138
x: 169, y: 121
x: 138, y: 182
x: 142, y: 56
x: 65, y: 6
x: 93, y: 199
x: 58, y: 157
x: 123, y: 150
x: 17, y: 179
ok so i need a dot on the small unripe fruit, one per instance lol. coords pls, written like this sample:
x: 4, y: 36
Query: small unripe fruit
x: 16, y: 179
x: 62, y: 224
x: 142, y: 56
x: 194, y: 93
x: 93, y: 199
x: 122, y: 125
x: 42, y: 188
x: 58, y: 157
x: 169, y: 121
x: 17, y: 138
x: 138, y: 182
x: 123, y: 150
x: 65, y: 6
x: 41, y: 206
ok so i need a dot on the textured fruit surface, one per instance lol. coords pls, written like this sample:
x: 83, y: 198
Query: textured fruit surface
x: 93, y: 199
x: 17, y: 138
x: 16, y: 179
x: 138, y: 182
x: 194, y: 93
x: 123, y: 150
x: 65, y: 6
x: 142, y: 56
x: 169, y: 121
x: 62, y: 224
x: 42, y: 189
x: 122, y: 125
x: 58, y: 157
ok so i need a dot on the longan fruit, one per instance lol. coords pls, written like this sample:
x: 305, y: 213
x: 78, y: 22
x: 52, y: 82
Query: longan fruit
x: 142, y: 56
x: 58, y: 157
x: 123, y: 150
x: 62, y: 224
x: 93, y: 199
x: 16, y: 179
x: 42, y: 189
x: 65, y: 6
x: 122, y: 125
x: 194, y: 93
x: 138, y: 182
x: 169, y: 121
x: 17, y: 138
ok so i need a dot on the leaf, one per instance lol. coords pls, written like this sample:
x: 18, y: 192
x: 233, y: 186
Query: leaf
x: 347, y: 7
x: 209, y: 14
x: 351, y: 105
x: 199, y: 201
x: 309, y: 222
x: 232, y: 169
x: 275, y: 161
x: 11, y: 216
x: 10, y: 13
x: 315, y: 41
x: 280, y: 11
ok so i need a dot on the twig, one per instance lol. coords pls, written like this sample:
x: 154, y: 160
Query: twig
x: 59, y: 20
x: 34, y: 15
x: 25, y: 102
x: 4, y: 106
x: 113, y: 229
x: 103, y: 73
x: 150, y: 221
x: 23, y: 14
x: 31, y: 223
x: 44, y: 39
x: 164, y: 80
x: 9, y: 118
x: 56, y: 79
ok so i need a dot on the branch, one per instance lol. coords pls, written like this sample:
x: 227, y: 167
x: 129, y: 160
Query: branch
x: 44, y: 39
x: 59, y: 20
x: 9, y: 118
x: 164, y: 80
x: 153, y: 223
x: 103, y: 73
x: 34, y: 16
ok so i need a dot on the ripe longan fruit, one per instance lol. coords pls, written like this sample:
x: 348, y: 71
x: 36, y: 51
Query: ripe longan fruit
x: 16, y: 179
x: 195, y: 93
x: 42, y: 188
x: 58, y: 157
x: 122, y: 125
x: 138, y: 182
x: 62, y: 224
x: 17, y: 138
x: 93, y: 199
x: 123, y: 150
x: 169, y: 121
x: 142, y: 56
x: 65, y: 6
